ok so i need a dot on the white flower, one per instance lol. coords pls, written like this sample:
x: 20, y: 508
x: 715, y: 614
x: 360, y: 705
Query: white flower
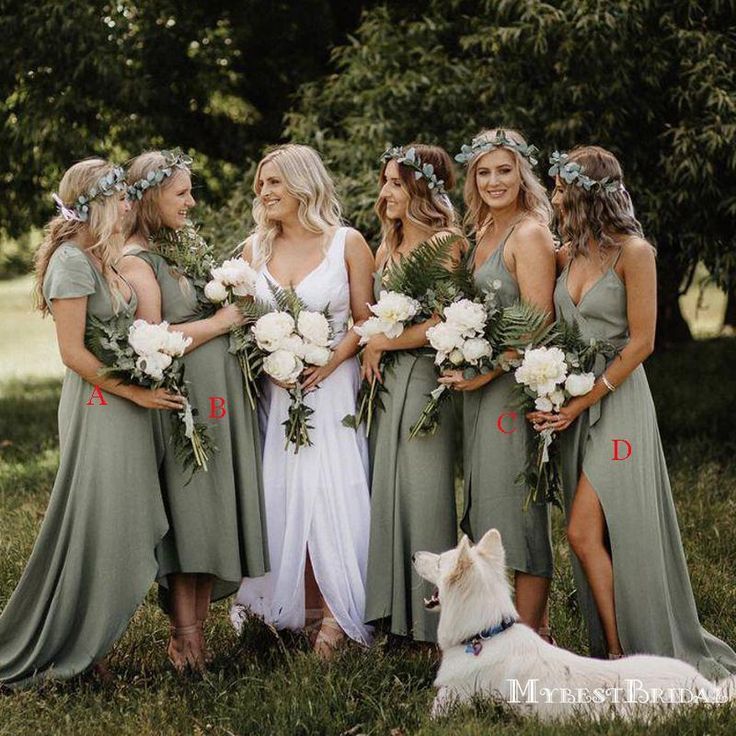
x: 272, y: 328
x: 476, y: 348
x: 153, y: 365
x: 467, y: 317
x: 316, y: 354
x: 456, y: 356
x: 215, y: 291
x: 146, y: 338
x: 394, y: 307
x: 188, y: 419
x: 557, y: 397
x: 444, y: 337
x: 314, y: 328
x: 543, y: 403
x: 283, y: 365
x: 294, y: 344
x: 176, y: 343
x: 542, y: 369
x: 373, y: 326
x: 578, y: 384
x: 237, y: 274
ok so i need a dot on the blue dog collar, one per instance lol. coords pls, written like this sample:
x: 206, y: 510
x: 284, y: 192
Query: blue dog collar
x: 474, y: 645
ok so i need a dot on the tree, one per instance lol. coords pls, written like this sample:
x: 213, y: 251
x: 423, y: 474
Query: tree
x: 653, y: 81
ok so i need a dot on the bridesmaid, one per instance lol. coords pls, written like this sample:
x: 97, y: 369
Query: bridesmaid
x: 508, y: 211
x: 94, y: 559
x: 217, y: 522
x: 631, y: 573
x: 413, y: 485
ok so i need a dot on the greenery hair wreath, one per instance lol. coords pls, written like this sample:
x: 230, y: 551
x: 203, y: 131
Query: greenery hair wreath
x: 411, y: 160
x: 173, y: 159
x: 107, y: 185
x: 500, y: 140
x: 571, y: 172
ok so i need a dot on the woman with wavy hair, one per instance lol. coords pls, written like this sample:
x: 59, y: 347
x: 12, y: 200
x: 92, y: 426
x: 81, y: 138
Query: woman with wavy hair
x: 413, y: 487
x: 94, y: 559
x: 317, y: 501
x: 630, y: 568
x: 217, y: 521
x: 513, y: 255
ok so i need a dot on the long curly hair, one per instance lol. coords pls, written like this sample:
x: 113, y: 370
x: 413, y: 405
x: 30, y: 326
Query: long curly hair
x: 595, y: 214
x: 306, y: 178
x: 101, y: 225
x: 532, y: 194
x: 426, y: 208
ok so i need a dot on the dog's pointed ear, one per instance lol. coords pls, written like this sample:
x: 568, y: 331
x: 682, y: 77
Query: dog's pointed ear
x: 463, y: 561
x: 491, y: 546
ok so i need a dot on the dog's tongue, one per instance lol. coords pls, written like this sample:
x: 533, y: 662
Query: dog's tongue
x: 433, y: 601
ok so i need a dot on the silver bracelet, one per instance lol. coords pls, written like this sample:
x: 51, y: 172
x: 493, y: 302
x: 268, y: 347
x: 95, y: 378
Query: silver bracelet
x: 607, y: 383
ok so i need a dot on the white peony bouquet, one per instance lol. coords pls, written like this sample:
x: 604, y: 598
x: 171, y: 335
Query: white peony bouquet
x: 472, y: 337
x: 548, y: 376
x: 147, y: 354
x: 291, y: 339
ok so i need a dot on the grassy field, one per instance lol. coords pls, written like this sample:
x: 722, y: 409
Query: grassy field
x: 263, y: 685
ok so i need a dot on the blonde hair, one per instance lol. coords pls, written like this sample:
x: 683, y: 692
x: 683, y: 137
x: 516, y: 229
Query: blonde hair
x: 596, y: 214
x: 306, y: 179
x: 532, y: 195
x: 426, y: 209
x: 144, y: 219
x: 101, y: 225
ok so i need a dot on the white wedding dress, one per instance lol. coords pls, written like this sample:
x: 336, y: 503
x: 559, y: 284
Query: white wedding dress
x: 318, y: 499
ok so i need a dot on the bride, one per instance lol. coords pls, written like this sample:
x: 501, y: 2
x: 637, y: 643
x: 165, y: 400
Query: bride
x: 317, y: 501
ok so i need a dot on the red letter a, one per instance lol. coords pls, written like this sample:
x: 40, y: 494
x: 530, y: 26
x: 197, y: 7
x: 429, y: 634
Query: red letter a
x: 96, y: 394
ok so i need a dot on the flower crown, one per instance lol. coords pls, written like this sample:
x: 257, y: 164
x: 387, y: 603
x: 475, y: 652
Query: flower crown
x: 571, y: 172
x: 112, y: 182
x: 411, y: 160
x: 500, y: 140
x: 173, y: 159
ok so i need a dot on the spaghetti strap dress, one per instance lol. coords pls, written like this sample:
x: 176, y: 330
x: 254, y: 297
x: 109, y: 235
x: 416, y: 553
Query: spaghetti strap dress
x: 655, y: 606
x: 94, y: 558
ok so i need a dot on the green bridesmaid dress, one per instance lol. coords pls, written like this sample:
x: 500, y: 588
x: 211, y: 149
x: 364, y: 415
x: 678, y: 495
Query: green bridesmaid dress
x: 217, y: 520
x: 655, y: 607
x: 94, y: 559
x: 493, y: 457
x: 412, y: 497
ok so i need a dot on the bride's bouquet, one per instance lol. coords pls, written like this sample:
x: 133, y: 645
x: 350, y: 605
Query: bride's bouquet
x: 291, y: 339
x: 473, y: 337
x: 233, y: 282
x: 416, y: 288
x: 147, y: 355
x: 548, y: 377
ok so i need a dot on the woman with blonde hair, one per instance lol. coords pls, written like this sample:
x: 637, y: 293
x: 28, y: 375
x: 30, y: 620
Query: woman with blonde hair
x: 513, y: 255
x: 94, y: 559
x: 630, y: 568
x: 217, y: 523
x: 317, y: 502
x: 413, y: 488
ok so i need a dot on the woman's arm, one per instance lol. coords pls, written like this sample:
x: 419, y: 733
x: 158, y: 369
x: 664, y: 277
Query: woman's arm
x: 70, y: 320
x: 639, y: 273
x: 359, y: 263
x: 143, y: 279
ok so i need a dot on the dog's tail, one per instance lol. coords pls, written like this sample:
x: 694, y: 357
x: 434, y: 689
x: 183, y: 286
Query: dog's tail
x: 727, y: 688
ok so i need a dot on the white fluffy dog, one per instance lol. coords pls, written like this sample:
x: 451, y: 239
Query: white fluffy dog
x: 485, y: 651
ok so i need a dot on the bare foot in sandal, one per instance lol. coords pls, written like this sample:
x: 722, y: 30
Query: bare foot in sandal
x: 329, y: 638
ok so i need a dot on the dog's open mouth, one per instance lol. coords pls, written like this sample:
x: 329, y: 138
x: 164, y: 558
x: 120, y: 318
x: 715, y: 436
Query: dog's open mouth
x: 433, y: 601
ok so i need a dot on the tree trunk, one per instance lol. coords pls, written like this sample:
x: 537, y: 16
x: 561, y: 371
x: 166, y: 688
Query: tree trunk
x: 671, y: 325
x: 730, y: 318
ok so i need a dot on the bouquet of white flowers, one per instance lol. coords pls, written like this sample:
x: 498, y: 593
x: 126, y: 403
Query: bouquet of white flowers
x: 472, y: 337
x: 290, y: 339
x: 147, y: 354
x: 548, y: 376
x: 234, y: 282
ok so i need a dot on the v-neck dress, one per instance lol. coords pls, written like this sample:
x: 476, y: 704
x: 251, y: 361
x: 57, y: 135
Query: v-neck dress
x: 493, y: 457
x: 655, y: 606
x: 94, y: 558
x: 412, y: 496
x: 217, y: 519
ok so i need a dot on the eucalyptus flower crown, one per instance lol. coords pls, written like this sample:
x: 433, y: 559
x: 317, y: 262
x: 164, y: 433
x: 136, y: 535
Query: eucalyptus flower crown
x: 106, y: 186
x: 571, y: 172
x: 500, y: 140
x: 411, y: 160
x: 173, y: 159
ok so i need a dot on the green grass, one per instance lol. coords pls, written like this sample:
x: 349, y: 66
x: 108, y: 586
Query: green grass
x: 261, y: 684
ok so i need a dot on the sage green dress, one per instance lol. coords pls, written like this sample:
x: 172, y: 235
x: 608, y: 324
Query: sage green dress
x: 655, y: 607
x: 217, y: 520
x: 94, y: 559
x: 412, y: 497
x: 493, y: 459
